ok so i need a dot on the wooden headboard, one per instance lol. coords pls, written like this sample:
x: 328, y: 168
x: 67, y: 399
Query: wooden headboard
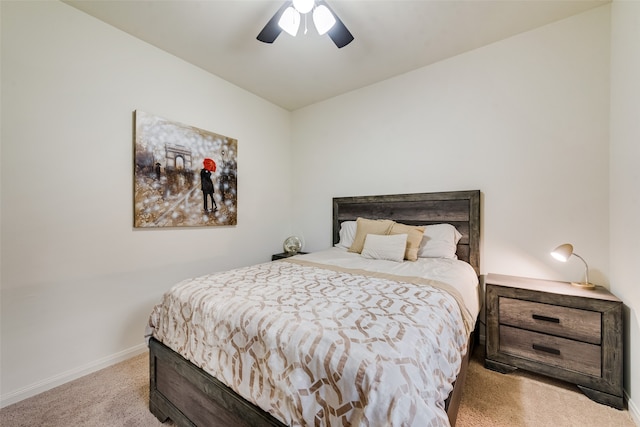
x: 459, y: 208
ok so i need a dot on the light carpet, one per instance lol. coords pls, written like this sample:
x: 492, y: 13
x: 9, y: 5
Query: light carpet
x: 118, y: 396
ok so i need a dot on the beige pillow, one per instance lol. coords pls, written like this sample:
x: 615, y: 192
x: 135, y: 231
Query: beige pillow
x: 414, y: 238
x: 369, y: 226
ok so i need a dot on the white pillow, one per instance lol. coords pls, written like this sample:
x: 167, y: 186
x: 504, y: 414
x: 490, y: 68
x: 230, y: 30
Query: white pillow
x: 439, y: 241
x: 390, y: 247
x: 347, y: 234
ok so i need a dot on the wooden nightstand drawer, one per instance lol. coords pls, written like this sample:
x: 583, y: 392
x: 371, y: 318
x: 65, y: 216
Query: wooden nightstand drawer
x: 565, y: 322
x: 564, y: 353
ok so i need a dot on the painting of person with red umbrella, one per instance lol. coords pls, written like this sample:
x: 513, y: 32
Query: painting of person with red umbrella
x: 184, y: 176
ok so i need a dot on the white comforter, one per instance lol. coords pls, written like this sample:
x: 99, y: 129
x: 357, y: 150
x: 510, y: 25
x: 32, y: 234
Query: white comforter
x: 318, y: 344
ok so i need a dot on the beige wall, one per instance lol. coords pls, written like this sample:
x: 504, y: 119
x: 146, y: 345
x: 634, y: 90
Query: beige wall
x: 525, y: 120
x: 625, y: 182
x: 78, y: 282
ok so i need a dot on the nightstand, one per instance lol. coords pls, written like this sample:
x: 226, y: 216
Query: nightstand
x: 556, y: 329
x: 283, y: 255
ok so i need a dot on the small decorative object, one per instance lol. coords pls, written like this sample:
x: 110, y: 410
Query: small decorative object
x: 562, y: 253
x: 292, y: 245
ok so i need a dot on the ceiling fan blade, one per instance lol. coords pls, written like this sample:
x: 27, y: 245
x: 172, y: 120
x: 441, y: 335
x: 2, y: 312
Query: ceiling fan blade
x: 272, y: 30
x: 339, y: 33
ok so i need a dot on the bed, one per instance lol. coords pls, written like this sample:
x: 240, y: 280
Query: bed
x: 184, y: 389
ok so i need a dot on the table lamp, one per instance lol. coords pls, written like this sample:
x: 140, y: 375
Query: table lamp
x: 562, y: 253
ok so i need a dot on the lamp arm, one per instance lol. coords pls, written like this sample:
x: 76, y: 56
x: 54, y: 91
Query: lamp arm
x: 586, y: 268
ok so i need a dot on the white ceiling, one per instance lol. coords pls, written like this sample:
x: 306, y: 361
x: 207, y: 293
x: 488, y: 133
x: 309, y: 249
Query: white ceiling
x: 391, y: 37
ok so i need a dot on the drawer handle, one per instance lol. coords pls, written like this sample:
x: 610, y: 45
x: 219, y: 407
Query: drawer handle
x: 546, y: 349
x: 546, y: 318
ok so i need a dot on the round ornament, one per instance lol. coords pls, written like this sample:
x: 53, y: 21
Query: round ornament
x: 292, y: 245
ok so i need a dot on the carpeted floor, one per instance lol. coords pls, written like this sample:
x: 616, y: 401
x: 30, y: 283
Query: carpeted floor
x: 521, y: 399
x: 115, y: 396
x: 118, y: 396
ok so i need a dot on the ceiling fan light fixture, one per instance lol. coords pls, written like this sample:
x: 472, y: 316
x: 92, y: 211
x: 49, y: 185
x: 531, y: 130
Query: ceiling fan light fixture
x: 290, y: 21
x: 303, y: 6
x: 288, y: 18
x: 323, y: 19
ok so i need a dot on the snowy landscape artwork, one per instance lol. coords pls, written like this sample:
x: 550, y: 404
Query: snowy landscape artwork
x: 184, y: 176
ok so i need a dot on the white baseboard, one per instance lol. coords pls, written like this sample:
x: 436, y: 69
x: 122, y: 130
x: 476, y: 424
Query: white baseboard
x: 65, y: 377
x: 633, y: 410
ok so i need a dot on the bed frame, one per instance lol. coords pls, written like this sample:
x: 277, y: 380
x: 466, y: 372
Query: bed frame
x: 189, y: 396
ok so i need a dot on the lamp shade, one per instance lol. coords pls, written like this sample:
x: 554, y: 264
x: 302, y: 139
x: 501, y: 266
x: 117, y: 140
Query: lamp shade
x: 290, y: 21
x: 562, y: 252
x: 323, y: 19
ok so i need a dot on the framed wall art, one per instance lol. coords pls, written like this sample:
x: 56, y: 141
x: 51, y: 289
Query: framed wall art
x: 184, y: 176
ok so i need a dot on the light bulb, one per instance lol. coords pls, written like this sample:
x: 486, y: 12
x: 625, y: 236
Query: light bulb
x: 303, y: 6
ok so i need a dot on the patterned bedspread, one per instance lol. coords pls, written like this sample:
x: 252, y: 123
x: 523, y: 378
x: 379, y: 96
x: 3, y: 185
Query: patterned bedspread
x: 320, y: 345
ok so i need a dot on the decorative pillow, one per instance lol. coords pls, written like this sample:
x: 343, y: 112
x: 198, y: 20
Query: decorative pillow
x: 439, y: 241
x: 347, y: 234
x: 391, y: 247
x: 368, y: 226
x: 414, y: 238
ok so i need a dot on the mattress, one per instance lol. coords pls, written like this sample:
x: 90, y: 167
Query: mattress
x: 328, y: 338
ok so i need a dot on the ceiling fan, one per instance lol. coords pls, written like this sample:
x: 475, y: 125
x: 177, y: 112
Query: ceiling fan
x: 288, y: 17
